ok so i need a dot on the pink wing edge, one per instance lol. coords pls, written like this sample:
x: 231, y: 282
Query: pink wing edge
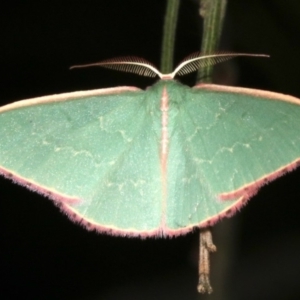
x: 239, y: 197
x: 67, y: 96
x: 248, y: 91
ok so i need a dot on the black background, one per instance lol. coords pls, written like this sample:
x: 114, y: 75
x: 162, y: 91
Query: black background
x: 45, y: 256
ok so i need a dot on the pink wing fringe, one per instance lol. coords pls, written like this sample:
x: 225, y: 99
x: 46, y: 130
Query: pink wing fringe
x: 240, y: 198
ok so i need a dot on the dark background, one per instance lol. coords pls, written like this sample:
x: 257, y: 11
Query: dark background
x: 45, y: 256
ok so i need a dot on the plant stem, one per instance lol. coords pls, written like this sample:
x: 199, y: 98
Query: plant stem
x: 167, y: 51
x: 212, y: 12
x: 205, y: 247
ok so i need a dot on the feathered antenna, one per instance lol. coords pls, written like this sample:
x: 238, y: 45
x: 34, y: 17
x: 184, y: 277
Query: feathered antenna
x: 142, y: 67
x: 196, y: 61
x: 129, y: 64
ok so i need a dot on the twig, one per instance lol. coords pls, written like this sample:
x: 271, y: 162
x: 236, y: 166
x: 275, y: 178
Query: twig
x: 206, y: 246
x: 212, y: 12
x: 167, y: 51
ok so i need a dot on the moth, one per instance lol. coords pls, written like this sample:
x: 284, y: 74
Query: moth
x: 154, y: 162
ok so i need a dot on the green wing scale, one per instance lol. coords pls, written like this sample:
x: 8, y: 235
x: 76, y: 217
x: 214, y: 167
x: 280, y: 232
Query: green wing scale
x: 150, y: 163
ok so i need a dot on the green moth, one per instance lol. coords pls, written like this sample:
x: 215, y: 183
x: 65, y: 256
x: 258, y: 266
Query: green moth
x: 155, y: 162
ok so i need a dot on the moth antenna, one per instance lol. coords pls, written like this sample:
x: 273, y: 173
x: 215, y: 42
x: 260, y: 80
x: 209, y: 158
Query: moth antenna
x: 195, y: 61
x: 128, y: 64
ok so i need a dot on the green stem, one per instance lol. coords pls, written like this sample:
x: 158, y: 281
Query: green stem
x: 212, y: 12
x: 167, y: 51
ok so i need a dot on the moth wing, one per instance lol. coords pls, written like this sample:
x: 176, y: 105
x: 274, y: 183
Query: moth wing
x: 94, y: 153
x: 227, y: 143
